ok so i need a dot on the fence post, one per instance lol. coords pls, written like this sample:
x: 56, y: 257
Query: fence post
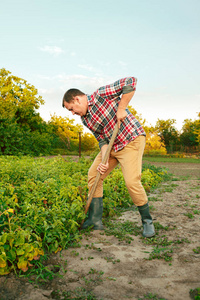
x: 79, y: 144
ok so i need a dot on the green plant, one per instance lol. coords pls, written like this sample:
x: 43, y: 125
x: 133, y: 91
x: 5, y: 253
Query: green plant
x: 189, y: 215
x: 43, y: 201
x: 111, y: 259
x: 151, y: 296
x: 197, y: 250
x: 77, y: 294
x: 17, y: 247
x: 195, y: 293
x: 161, y: 253
x: 122, y: 230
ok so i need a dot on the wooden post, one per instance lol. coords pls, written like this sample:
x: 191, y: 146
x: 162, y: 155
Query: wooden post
x: 79, y: 144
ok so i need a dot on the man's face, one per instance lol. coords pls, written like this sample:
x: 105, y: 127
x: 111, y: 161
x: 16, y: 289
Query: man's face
x: 77, y: 106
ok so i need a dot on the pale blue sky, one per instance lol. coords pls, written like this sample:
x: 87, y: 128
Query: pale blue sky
x: 59, y: 44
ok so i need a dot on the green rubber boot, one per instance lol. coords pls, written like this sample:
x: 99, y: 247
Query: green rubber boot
x: 148, y: 227
x: 95, y: 214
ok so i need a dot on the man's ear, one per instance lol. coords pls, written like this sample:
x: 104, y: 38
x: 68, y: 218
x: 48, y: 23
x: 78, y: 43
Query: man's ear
x: 76, y: 98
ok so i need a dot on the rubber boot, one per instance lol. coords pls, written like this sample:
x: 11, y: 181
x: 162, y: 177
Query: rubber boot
x: 95, y: 214
x: 148, y: 227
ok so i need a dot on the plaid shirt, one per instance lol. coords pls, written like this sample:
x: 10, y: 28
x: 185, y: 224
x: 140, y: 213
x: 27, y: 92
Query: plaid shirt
x: 101, y: 116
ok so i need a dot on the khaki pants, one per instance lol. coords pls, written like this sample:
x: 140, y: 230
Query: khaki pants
x: 130, y: 159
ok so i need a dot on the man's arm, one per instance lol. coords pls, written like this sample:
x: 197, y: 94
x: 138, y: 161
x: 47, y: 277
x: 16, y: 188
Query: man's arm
x: 119, y: 87
x: 102, y: 168
x: 121, y: 112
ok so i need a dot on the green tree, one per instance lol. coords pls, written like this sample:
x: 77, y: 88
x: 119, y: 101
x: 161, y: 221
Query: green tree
x: 19, y: 100
x: 88, y: 142
x: 168, y: 133
x: 190, y: 136
x: 22, y: 130
x: 65, y: 129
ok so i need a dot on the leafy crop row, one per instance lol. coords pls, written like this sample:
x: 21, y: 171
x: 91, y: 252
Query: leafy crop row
x: 42, y: 205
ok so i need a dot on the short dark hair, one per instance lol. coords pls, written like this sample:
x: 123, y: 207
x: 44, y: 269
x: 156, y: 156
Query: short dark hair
x: 70, y: 94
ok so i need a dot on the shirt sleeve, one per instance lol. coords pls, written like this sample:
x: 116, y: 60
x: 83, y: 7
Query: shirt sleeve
x: 121, y: 86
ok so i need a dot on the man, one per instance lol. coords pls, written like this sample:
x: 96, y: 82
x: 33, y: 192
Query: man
x: 100, y: 112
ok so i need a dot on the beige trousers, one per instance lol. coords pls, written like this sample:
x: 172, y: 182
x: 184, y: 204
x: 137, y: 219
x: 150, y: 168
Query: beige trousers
x: 130, y: 159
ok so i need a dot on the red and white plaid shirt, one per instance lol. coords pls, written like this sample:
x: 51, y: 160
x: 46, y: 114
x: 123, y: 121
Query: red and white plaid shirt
x: 101, y: 116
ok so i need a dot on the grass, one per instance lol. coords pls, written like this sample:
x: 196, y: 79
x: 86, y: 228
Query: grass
x: 77, y: 294
x: 41, y: 274
x: 171, y: 159
x: 122, y: 231
x: 151, y: 296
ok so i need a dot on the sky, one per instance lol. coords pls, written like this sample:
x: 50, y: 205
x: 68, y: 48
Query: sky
x: 59, y: 44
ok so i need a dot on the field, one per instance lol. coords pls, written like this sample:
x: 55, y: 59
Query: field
x: 119, y: 263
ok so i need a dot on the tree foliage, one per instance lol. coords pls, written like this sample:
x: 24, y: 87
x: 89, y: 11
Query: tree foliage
x: 190, y: 135
x: 167, y: 132
x: 154, y: 145
x: 65, y: 129
x: 22, y: 130
x: 19, y: 100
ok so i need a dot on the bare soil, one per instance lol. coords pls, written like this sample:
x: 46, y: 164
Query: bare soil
x: 102, y: 267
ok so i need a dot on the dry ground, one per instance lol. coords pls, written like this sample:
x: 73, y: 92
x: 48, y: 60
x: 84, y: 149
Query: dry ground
x: 103, y: 267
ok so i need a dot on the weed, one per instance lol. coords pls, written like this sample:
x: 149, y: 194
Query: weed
x: 151, y: 296
x: 90, y: 257
x: 111, y: 259
x: 94, y: 271
x: 40, y: 273
x: 94, y: 277
x: 154, y: 199
x: 92, y: 247
x: 74, y: 253
x: 111, y: 278
x: 197, y: 250
x: 158, y: 226
x: 189, y: 215
x: 168, y: 189
x: 77, y: 294
x: 174, y: 185
x: 161, y: 253
x: 195, y: 294
x: 181, y: 241
x: 122, y: 230
x: 161, y: 249
x: 159, y: 241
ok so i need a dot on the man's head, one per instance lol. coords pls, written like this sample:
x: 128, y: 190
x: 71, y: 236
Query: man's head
x: 76, y: 102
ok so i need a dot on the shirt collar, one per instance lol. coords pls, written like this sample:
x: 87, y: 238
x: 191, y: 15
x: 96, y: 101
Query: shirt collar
x: 90, y: 100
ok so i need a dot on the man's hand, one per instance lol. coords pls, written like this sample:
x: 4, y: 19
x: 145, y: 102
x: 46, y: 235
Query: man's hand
x: 121, y: 115
x: 121, y: 112
x: 102, y: 168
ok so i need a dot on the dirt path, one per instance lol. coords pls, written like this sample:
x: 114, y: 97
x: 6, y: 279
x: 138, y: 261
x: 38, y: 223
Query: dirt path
x: 103, y: 267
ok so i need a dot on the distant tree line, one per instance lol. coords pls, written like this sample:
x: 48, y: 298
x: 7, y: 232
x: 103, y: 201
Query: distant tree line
x: 24, y: 132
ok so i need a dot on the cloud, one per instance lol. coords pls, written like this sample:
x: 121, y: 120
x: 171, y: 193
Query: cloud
x: 87, y: 84
x: 121, y: 63
x: 54, y: 50
x: 86, y: 67
x: 64, y: 81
